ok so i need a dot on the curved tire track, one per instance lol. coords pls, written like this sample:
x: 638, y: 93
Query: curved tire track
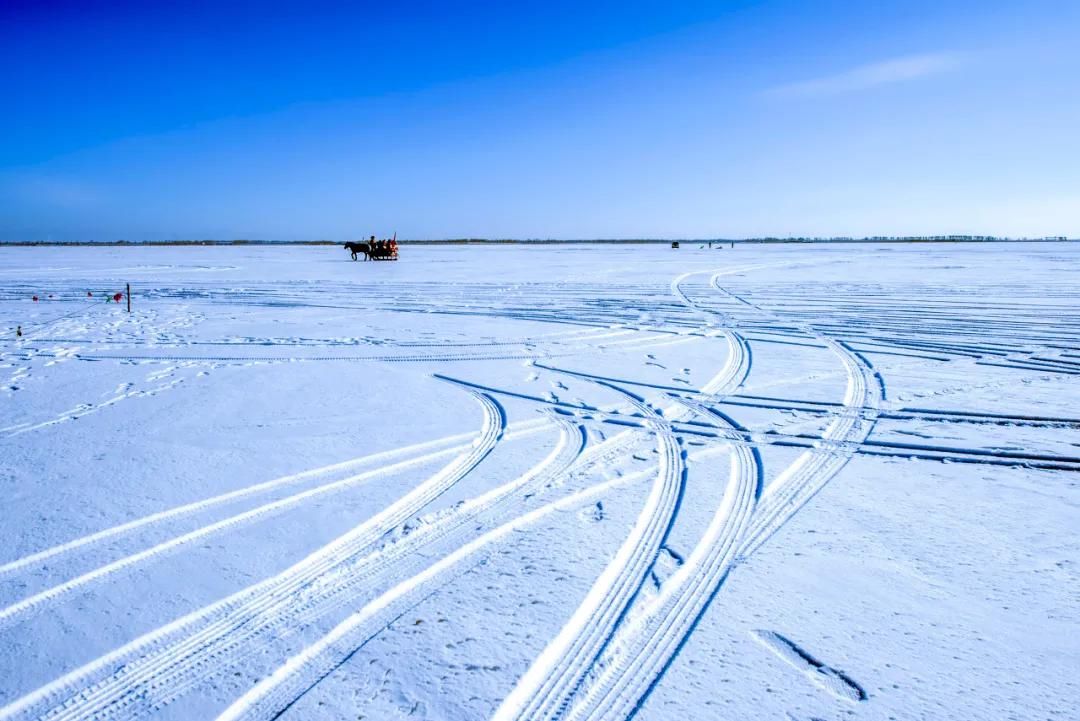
x: 642, y: 652
x: 639, y: 654
x: 811, y: 470
x: 241, y: 493
x: 549, y: 685
x: 129, y: 677
x: 298, y: 675
x: 545, y: 688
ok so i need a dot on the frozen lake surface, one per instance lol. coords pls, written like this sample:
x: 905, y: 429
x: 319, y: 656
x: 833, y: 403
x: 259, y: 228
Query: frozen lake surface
x: 581, y: 482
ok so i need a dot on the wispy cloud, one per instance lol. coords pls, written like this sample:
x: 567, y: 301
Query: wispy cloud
x: 870, y: 76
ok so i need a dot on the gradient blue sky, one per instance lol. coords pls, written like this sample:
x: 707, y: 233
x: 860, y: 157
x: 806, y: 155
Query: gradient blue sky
x: 551, y: 119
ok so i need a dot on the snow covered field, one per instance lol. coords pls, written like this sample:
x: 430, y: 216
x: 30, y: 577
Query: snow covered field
x: 777, y: 482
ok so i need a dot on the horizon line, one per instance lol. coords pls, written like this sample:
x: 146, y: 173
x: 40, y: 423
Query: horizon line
x: 951, y: 238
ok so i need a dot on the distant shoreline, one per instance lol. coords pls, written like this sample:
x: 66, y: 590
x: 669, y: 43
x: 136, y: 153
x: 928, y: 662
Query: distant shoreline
x: 484, y: 241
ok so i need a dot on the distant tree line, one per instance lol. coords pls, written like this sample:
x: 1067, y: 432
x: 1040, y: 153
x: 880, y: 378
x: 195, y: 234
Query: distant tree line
x: 541, y: 241
x: 905, y: 239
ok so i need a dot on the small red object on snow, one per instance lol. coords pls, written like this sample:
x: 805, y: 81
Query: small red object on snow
x: 117, y: 296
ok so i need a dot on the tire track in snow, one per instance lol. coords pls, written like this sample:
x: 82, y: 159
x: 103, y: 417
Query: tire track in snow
x: 11, y: 613
x: 344, y: 584
x: 630, y: 344
x: 549, y: 685
x: 911, y: 451
x: 182, y: 647
x: 811, y: 470
x: 264, y: 701
x: 298, y: 675
x: 355, y: 631
x: 606, y: 450
x: 86, y: 409
x: 542, y: 691
x: 897, y: 412
x: 461, y: 520
x: 231, y: 496
x: 59, y: 591
x: 450, y: 526
x: 639, y: 654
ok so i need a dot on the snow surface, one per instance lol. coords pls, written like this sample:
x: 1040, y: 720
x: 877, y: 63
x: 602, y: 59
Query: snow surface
x: 784, y: 482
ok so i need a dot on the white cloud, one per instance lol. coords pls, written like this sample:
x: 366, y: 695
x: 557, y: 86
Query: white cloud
x: 870, y: 76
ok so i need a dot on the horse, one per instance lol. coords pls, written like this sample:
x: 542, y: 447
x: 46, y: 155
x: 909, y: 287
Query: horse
x: 355, y: 248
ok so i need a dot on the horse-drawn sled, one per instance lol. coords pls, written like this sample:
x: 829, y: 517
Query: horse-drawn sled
x: 374, y: 249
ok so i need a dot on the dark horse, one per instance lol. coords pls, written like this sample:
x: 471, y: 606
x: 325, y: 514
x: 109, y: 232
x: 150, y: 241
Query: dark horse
x: 356, y: 248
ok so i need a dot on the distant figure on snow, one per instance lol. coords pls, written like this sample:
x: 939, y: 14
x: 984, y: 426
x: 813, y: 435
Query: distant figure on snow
x: 359, y: 248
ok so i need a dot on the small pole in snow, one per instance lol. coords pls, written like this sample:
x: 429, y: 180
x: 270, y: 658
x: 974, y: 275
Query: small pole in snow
x: 129, y: 296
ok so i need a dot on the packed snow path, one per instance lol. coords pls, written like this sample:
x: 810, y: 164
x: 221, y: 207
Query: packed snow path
x: 582, y: 482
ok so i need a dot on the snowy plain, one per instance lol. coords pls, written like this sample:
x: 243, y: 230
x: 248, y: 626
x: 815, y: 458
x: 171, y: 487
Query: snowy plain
x: 577, y: 482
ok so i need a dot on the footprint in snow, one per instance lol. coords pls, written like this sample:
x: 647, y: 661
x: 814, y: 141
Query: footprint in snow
x: 832, y: 680
x: 594, y: 513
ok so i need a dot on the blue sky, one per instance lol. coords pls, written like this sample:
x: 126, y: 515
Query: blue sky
x: 538, y: 120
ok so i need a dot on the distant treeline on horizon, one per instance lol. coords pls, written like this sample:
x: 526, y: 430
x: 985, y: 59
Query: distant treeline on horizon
x: 537, y: 241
